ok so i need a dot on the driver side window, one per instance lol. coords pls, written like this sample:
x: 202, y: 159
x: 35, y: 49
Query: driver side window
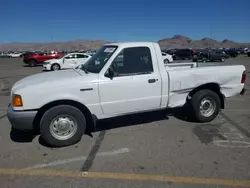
x: 133, y: 61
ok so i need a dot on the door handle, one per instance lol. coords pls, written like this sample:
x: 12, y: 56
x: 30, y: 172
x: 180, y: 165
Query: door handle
x: 153, y: 80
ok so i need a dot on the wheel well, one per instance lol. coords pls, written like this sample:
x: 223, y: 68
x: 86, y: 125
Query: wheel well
x: 211, y: 86
x: 56, y: 64
x: 89, y: 118
x: 166, y: 60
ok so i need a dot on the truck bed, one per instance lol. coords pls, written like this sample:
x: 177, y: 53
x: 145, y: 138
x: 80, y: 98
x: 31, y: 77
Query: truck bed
x: 186, y: 65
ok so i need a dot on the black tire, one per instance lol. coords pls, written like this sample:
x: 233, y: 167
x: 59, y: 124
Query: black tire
x: 32, y: 63
x: 196, y: 102
x: 62, y: 110
x: 195, y: 58
x: 166, y: 61
x: 222, y: 59
x: 55, y: 67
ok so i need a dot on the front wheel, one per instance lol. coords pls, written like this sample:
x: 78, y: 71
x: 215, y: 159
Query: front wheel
x: 166, y: 61
x: 62, y: 125
x: 55, y: 67
x: 205, y: 105
x: 204, y: 60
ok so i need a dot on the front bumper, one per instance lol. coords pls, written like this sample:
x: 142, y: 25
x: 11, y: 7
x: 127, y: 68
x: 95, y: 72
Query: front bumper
x: 22, y: 120
x: 46, y: 67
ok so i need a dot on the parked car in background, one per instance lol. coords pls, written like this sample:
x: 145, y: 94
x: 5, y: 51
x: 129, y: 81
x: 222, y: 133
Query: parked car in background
x: 68, y: 61
x: 91, y: 52
x: 166, y: 57
x: 66, y: 104
x: 27, y: 54
x: 4, y: 55
x: 170, y: 51
x: 232, y: 52
x: 248, y: 53
x: 15, y: 54
x: 240, y: 50
x: 210, y: 55
x: 38, y: 58
x: 182, y: 54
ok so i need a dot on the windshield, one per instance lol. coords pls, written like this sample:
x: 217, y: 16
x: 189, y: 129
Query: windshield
x: 97, y: 61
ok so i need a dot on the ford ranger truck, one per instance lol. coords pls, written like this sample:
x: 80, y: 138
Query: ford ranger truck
x: 120, y: 79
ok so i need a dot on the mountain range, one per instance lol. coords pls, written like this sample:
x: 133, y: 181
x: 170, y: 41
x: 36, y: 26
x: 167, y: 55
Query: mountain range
x: 177, y: 41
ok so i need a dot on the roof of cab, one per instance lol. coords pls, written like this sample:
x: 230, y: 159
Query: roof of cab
x: 129, y: 44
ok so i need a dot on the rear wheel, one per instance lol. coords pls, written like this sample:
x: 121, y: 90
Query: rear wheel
x: 205, y: 105
x: 62, y: 125
x: 32, y: 63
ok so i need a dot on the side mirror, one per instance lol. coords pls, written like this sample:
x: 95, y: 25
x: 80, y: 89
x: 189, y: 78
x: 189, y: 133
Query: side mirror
x: 110, y: 73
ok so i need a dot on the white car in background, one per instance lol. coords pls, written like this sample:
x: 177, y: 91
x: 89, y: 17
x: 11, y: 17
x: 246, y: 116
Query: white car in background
x: 68, y: 61
x: 167, y: 58
x: 15, y: 54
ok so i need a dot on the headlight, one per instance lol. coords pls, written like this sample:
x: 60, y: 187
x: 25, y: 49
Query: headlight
x: 17, y: 100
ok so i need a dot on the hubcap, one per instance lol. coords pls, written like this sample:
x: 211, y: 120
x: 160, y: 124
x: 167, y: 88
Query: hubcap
x: 63, y: 127
x: 207, y: 107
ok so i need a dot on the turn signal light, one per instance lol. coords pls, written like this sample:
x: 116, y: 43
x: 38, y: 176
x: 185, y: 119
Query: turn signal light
x: 17, y: 101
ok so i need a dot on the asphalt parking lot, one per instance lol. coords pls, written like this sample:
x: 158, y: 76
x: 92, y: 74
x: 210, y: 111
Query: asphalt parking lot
x: 146, y: 150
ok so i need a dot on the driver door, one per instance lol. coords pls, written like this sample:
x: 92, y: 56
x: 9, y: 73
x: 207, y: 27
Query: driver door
x: 136, y: 86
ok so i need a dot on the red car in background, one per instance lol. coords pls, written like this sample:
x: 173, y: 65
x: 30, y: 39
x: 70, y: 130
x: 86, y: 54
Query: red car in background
x: 38, y: 58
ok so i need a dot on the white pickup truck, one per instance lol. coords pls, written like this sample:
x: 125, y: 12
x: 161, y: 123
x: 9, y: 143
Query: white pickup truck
x: 120, y: 79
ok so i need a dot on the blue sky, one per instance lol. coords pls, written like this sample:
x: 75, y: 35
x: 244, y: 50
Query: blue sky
x: 129, y: 20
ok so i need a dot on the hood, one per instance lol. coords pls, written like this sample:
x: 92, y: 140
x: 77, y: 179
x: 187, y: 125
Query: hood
x: 46, y: 77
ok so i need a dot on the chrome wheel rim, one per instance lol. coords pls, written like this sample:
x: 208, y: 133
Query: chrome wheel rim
x: 207, y: 107
x: 63, y: 127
